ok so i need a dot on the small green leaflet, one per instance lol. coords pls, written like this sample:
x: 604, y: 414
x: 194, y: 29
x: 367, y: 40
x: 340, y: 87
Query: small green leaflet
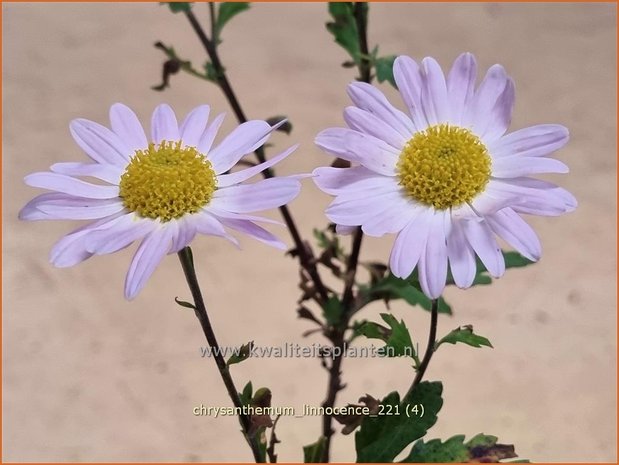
x: 384, y: 69
x: 227, y: 11
x: 465, y: 335
x: 178, y: 7
x: 482, y: 448
x: 243, y: 354
x: 398, y: 337
x: 332, y: 311
x: 344, y: 27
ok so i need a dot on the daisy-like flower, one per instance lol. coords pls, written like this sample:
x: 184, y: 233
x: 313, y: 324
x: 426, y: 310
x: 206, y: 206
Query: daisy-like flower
x: 162, y: 193
x: 444, y: 177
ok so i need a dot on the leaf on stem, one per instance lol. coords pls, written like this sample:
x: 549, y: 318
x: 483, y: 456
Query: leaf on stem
x: 465, y: 335
x: 312, y: 453
x: 332, y: 311
x: 241, y: 354
x: 397, y: 337
x: 384, y: 69
x: 183, y: 303
x: 227, y: 11
x: 178, y: 7
x: 247, y: 393
x: 382, y: 438
x: 344, y: 28
x: 482, y: 448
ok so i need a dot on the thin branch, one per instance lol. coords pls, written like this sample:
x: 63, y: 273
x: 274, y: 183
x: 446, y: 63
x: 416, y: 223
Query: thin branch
x: 429, y: 349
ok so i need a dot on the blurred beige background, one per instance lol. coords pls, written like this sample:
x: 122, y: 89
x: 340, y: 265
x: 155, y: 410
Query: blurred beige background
x: 88, y: 376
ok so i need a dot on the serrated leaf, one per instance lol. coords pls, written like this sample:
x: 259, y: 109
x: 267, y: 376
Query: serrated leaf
x: 332, y: 311
x: 384, y: 69
x: 312, y: 453
x: 382, y: 438
x: 344, y: 28
x: 242, y: 354
x: 482, y: 448
x: 397, y: 337
x: 178, y: 7
x: 465, y: 335
x: 183, y: 303
x: 227, y: 11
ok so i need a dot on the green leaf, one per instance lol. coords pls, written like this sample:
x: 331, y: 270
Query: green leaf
x: 482, y: 448
x: 384, y: 69
x: 332, y: 311
x: 397, y: 338
x: 312, y: 453
x: 182, y: 303
x: 243, y: 354
x: 178, y: 7
x: 227, y: 11
x: 383, y: 437
x: 465, y: 335
x: 210, y: 72
x: 247, y: 393
x: 391, y: 288
x: 344, y: 28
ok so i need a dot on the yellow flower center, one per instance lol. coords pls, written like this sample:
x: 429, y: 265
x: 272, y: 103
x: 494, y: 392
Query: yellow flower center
x: 167, y: 181
x: 444, y: 166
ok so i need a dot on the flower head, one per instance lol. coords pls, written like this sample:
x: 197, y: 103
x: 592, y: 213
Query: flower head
x: 161, y: 192
x: 444, y: 177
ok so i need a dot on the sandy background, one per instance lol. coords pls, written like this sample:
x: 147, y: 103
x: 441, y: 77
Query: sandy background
x: 88, y: 376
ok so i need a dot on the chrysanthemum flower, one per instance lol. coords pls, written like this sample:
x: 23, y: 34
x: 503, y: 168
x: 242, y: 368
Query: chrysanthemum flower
x: 445, y: 178
x: 162, y: 192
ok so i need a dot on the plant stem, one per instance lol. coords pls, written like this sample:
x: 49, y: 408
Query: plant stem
x: 305, y: 258
x: 429, y: 349
x: 200, y: 309
x: 337, y: 336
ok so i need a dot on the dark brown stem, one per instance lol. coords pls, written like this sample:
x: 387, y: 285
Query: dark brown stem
x: 224, y: 84
x: 200, y: 310
x: 337, y: 336
x: 421, y: 370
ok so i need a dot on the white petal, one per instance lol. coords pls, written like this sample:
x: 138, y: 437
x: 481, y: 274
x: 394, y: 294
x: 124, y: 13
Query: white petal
x: 433, y: 261
x: 434, y: 92
x: 119, y: 234
x: 244, y: 139
x: 255, y: 231
x: 534, y: 141
x: 99, y: 143
x: 369, y: 98
x: 209, y: 134
x: 517, y: 166
x: 81, y: 209
x: 536, y: 197
x: 398, y: 210
x: 238, y: 216
x: 358, y: 208
x: 231, y: 179
x: 152, y: 249
x: 366, y: 122
x: 336, y: 181
x: 164, y: 125
x: 193, y: 126
x: 486, y: 97
x: 516, y: 232
x: 357, y: 147
x: 461, y: 86
x: 262, y: 195
x: 410, y: 243
x: 500, y: 115
x: 107, y: 173
x: 461, y: 257
x: 480, y: 236
x: 127, y: 127
x: 206, y: 223
x: 408, y: 79
x: 69, y: 185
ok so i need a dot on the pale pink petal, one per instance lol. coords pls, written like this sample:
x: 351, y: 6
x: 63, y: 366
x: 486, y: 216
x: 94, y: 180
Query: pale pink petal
x: 481, y: 238
x: 461, y: 257
x: 355, y: 210
x: 408, y: 79
x: 534, y: 141
x: 253, y: 230
x: 107, y: 173
x: 501, y: 114
x: 508, y: 225
x: 244, y: 139
x: 357, y: 147
x: 262, y: 195
x: 397, y: 212
x: 366, y: 122
x: 152, y: 249
x: 433, y: 260
x: 209, y: 134
x: 118, y: 234
x: 99, y: 143
x: 535, y: 197
x: 206, y: 223
x: 410, y: 243
x: 486, y: 97
x: 164, y: 125
x: 336, y: 181
x: 80, y: 209
x: 238, y: 216
x: 193, y: 126
x: 434, y: 100
x: 518, y: 166
x: 69, y: 185
x: 127, y: 127
x: 461, y: 86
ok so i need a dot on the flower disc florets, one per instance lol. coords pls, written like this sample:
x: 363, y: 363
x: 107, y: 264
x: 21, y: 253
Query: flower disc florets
x: 444, y: 166
x: 167, y: 181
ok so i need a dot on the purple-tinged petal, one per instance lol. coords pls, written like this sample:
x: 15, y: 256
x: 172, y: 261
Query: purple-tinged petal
x: 398, y: 210
x: 508, y: 225
x: 369, y: 98
x: 355, y: 210
x: 366, y: 122
x: 194, y: 125
x: 69, y: 185
x: 119, y: 234
x: 485, y: 99
x: 164, y: 125
x: 211, y: 226
x: 336, y: 181
x: 481, y: 238
x: 253, y: 230
x: 534, y: 141
x: 209, y: 134
x: 536, y: 197
x: 244, y: 139
x: 434, y: 92
x: 356, y: 147
x: 344, y: 230
x: 461, y: 86
x: 461, y: 257
x: 501, y: 114
x: 127, y: 127
x: 433, y: 261
x: 231, y: 179
x: 408, y: 79
x: 262, y: 195
x: 152, y: 249
x: 410, y: 243
x: 99, y: 143
x: 84, y: 209
x: 237, y: 216
x: 107, y: 173
x: 518, y: 166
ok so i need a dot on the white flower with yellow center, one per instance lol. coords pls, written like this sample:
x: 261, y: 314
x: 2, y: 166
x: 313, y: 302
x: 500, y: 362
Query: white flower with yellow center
x: 162, y: 193
x: 445, y: 178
